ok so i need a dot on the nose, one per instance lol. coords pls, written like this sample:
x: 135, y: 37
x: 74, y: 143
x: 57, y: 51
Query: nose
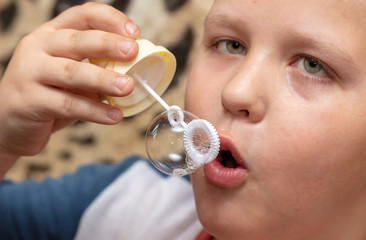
x: 244, y: 94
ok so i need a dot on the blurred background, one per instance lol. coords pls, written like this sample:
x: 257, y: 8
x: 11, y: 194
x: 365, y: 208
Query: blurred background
x: 174, y: 24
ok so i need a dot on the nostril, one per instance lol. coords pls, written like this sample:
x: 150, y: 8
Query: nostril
x: 245, y: 113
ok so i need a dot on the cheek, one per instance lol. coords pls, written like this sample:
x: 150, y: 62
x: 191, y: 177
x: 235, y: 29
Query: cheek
x: 199, y: 92
x: 312, y: 169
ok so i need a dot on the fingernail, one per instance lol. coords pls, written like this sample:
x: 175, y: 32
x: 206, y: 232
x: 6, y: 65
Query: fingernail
x: 115, y: 114
x: 126, y: 46
x: 131, y: 28
x: 122, y: 81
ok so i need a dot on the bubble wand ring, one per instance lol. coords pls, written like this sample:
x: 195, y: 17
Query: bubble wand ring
x: 201, y: 141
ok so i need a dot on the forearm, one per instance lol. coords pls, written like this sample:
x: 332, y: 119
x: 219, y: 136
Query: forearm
x: 52, y: 209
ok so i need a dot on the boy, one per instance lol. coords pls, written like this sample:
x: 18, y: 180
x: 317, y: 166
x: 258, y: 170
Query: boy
x: 283, y: 83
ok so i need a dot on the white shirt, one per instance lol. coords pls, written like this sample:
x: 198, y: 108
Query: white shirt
x: 142, y: 204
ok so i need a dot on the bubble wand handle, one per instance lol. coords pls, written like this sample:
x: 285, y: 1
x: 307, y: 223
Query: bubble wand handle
x: 151, y: 91
x: 175, y: 114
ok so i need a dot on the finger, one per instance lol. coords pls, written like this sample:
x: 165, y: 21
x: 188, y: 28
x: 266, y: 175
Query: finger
x: 96, y: 16
x: 62, y: 104
x: 68, y: 74
x: 78, y: 45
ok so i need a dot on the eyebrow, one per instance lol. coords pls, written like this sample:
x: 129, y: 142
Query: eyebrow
x: 327, y: 46
x: 219, y: 20
x: 215, y: 19
x: 329, y: 50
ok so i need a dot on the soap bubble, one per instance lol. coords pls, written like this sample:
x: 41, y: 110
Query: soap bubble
x: 178, y: 142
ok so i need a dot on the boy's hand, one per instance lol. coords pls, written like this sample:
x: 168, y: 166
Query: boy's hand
x: 46, y: 86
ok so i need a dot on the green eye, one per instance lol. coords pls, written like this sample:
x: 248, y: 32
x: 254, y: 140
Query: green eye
x: 312, y: 66
x: 234, y: 47
x: 231, y: 47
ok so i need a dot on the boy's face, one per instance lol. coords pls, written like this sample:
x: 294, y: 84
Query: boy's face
x: 284, y: 83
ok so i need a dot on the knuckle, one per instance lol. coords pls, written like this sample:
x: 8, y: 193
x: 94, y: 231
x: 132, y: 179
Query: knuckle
x: 106, y: 39
x: 91, y: 110
x: 90, y: 4
x: 73, y: 40
x: 85, y: 6
x: 27, y: 41
x: 108, y: 44
x: 67, y: 104
x: 100, y: 77
x: 69, y: 71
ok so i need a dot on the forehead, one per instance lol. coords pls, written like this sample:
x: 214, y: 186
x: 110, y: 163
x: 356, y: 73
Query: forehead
x: 342, y: 22
x: 350, y: 10
x: 315, y: 18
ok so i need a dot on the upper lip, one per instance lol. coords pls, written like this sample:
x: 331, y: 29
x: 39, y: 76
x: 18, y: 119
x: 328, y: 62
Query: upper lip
x: 226, y: 144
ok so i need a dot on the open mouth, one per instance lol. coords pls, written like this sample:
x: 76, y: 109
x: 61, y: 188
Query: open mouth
x: 228, y: 169
x: 227, y: 160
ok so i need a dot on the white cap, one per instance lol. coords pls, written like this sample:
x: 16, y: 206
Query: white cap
x: 155, y: 64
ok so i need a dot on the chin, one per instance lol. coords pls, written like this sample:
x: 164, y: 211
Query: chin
x: 233, y: 211
x: 215, y: 209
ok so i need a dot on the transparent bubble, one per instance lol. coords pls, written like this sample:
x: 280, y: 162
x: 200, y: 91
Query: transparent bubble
x: 165, y: 142
x: 171, y: 133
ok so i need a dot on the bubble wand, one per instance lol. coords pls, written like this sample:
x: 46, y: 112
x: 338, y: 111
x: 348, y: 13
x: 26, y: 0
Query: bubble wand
x: 200, y: 138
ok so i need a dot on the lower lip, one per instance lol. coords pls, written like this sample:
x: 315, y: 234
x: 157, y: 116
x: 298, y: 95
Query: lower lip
x: 224, y: 177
